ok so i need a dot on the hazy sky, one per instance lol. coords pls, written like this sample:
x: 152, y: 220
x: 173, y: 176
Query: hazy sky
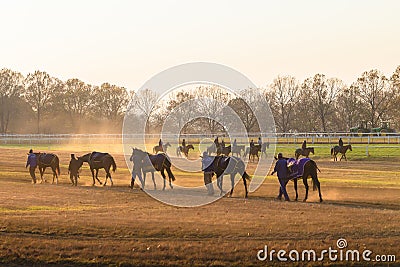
x: 127, y: 42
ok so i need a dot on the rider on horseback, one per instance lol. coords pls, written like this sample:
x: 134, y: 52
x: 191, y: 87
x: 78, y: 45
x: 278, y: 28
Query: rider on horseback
x: 340, y: 142
x: 304, y: 145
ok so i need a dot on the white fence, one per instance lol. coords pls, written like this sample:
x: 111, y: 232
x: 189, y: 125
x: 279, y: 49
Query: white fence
x: 279, y: 138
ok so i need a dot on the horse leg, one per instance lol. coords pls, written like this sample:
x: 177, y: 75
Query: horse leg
x: 169, y: 178
x: 54, y: 175
x: 232, y: 184
x: 154, y: 182
x: 219, y: 184
x: 245, y: 185
x: 109, y: 176
x: 94, y: 181
x: 318, y: 185
x: 306, y: 185
x: 295, y: 188
x: 163, y: 175
x: 97, y: 176
x: 41, y: 170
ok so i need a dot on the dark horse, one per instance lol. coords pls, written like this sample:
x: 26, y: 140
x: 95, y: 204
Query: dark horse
x: 222, y: 165
x: 45, y: 160
x: 342, y: 150
x: 253, y: 151
x: 224, y: 150
x: 302, y: 169
x: 161, y: 149
x: 303, y: 152
x: 152, y: 163
x: 184, y: 150
x: 98, y: 160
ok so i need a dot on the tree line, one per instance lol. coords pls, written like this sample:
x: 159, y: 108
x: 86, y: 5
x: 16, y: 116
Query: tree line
x: 40, y: 103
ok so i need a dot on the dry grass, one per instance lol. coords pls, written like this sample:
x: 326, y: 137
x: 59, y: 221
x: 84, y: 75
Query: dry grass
x: 48, y: 224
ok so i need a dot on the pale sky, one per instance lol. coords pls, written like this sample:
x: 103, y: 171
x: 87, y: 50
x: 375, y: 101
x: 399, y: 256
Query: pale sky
x: 127, y: 42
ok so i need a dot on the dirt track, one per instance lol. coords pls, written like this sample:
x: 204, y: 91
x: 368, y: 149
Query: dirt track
x: 44, y: 224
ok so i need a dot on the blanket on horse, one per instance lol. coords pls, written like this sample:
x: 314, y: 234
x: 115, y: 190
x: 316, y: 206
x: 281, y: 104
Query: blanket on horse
x: 97, y: 156
x: 46, y: 158
x: 296, y: 167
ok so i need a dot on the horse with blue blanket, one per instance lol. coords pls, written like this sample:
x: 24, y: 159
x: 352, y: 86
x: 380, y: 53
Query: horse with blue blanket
x: 302, y: 169
x: 99, y: 160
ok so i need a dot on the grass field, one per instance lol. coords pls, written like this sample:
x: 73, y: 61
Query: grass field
x: 47, y: 224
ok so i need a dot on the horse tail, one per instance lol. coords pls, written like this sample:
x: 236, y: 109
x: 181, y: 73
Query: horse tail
x: 314, y: 185
x: 168, y: 168
x: 113, y: 164
x: 58, y: 166
x: 332, y: 151
x: 316, y: 167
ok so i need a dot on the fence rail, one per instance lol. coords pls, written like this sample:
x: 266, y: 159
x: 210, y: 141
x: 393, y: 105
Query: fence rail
x: 278, y: 138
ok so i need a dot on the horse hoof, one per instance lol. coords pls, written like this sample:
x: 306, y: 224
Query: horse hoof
x: 104, y: 184
x: 304, y: 200
x: 320, y: 200
x: 92, y: 184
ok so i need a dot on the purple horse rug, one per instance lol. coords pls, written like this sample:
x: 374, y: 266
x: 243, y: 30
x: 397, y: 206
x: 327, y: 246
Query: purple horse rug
x: 296, y: 167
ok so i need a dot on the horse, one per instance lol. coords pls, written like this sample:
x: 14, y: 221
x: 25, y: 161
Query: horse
x: 222, y: 165
x: 224, y: 150
x: 152, y: 163
x: 302, y: 169
x: 45, y: 160
x: 303, y: 152
x: 340, y: 149
x: 184, y: 150
x: 253, y: 151
x: 237, y: 149
x: 98, y: 160
x: 158, y: 148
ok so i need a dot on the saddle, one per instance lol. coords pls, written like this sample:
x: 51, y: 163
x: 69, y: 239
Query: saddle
x: 97, y: 156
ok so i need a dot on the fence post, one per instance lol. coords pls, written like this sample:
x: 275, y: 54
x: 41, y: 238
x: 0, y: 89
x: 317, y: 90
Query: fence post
x: 366, y: 150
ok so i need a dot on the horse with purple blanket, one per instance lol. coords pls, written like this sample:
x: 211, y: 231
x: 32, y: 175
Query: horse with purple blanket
x: 303, y: 168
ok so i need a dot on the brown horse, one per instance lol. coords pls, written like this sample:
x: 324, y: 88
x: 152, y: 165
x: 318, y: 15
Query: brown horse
x: 303, y: 152
x: 98, y: 160
x: 45, y: 160
x: 342, y: 150
x: 184, y: 150
x: 164, y: 148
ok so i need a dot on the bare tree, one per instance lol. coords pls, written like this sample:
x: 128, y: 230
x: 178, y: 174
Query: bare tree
x: 111, y: 100
x: 282, y: 98
x: 324, y: 93
x: 77, y: 98
x: 142, y: 105
x: 181, y: 112
x: 211, y: 100
x: 349, y: 107
x: 41, y: 92
x: 374, y: 93
x: 11, y: 88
